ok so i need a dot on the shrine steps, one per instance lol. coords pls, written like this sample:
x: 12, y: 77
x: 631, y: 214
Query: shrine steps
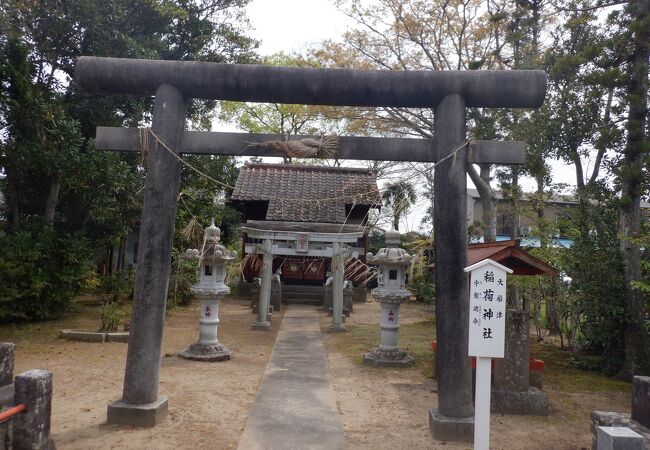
x: 302, y: 294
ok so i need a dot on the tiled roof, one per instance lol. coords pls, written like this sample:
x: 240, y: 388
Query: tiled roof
x: 302, y: 193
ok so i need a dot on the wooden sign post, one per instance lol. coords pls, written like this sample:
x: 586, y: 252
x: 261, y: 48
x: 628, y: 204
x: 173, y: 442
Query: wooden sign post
x: 487, y: 326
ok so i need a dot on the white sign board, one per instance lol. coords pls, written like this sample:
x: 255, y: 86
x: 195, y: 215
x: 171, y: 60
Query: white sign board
x: 487, y: 308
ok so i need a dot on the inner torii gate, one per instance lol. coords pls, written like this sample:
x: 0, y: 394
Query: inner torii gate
x: 449, y: 93
x: 284, y: 243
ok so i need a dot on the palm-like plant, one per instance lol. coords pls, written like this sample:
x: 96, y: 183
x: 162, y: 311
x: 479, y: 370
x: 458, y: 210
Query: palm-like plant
x: 399, y: 197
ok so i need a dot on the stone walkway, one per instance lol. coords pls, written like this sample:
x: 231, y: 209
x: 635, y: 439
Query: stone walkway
x: 295, y: 407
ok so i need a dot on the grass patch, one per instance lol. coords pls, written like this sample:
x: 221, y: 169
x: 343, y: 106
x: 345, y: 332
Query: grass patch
x: 415, y: 338
x: 84, y: 314
x: 560, y: 374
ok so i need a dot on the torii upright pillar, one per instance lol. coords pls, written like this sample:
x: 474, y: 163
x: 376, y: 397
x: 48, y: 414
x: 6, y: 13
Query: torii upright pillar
x: 140, y: 404
x: 453, y: 420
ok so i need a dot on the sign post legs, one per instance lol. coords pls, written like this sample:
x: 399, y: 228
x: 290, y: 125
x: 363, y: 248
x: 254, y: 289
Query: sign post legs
x: 482, y: 407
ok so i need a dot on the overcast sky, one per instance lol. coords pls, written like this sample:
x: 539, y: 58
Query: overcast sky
x: 295, y: 25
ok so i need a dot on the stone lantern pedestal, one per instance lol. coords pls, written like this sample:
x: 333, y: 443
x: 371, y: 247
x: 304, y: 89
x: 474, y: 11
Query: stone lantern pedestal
x: 390, y: 294
x: 210, y: 290
x: 208, y: 347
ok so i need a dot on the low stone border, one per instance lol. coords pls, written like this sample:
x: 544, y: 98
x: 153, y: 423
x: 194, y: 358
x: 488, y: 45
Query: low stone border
x: 89, y: 336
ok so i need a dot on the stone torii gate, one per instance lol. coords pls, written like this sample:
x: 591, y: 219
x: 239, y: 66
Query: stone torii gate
x: 449, y: 93
x: 283, y: 243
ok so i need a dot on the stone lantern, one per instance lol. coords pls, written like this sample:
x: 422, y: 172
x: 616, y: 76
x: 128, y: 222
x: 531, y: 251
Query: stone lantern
x: 210, y: 289
x: 390, y: 293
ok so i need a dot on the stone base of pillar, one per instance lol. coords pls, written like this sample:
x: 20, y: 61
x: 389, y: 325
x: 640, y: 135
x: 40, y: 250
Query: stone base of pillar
x: 144, y: 415
x: 614, y: 419
x: 337, y: 328
x: 206, y: 352
x: 532, y: 402
x: 388, y: 358
x: 262, y: 326
x: 456, y: 429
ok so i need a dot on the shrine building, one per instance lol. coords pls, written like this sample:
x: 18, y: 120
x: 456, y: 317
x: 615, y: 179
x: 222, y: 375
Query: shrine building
x: 304, y: 210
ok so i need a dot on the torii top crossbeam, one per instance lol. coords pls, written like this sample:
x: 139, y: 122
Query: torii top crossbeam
x: 309, y: 86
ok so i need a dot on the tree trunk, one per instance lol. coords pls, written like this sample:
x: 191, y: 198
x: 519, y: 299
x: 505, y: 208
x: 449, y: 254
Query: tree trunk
x: 514, y: 229
x: 52, y: 198
x: 541, y: 221
x: 488, y: 200
x: 110, y: 260
x: 637, y: 358
x: 121, y: 258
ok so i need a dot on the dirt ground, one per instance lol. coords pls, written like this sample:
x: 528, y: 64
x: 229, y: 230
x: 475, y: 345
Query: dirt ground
x: 209, y: 403
x: 388, y: 408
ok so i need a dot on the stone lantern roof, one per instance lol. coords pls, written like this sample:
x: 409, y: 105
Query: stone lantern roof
x: 392, y: 254
x: 212, y: 250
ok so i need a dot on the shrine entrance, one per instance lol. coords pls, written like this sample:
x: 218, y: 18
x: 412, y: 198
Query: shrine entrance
x: 173, y: 83
x: 334, y: 246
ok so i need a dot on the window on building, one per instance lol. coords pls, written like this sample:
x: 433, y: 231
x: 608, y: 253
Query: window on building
x: 392, y: 274
x: 208, y: 270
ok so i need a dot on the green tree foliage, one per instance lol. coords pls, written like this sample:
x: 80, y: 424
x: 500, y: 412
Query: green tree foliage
x: 51, y: 172
x: 594, y: 119
x: 40, y: 272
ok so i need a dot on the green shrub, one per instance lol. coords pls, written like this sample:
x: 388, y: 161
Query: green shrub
x: 183, y: 275
x: 41, y: 271
x: 112, y: 316
x: 423, y: 289
x: 116, y: 285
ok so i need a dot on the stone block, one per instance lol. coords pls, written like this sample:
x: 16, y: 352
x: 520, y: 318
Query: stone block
x: 7, y: 396
x: 618, y: 438
x: 264, y: 326
x: 337, y: 328
x: 641, y: 400
x: 85, y: 336
x: 532, y: 402
x: 6, y: 435
x: 276, y: 300
x: 512, y: 372
x: 347, y: 300
x: 7, y: 353
x: 359, y: 294
x: 388, y: 358
x: 455, y: 429
x: 536, y: 379
x: 614, y: 419
x: 146, y: 415
x: 31, y: 428
x: 207, y: 352
x: 118, y: 337
x: 328, y: 298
